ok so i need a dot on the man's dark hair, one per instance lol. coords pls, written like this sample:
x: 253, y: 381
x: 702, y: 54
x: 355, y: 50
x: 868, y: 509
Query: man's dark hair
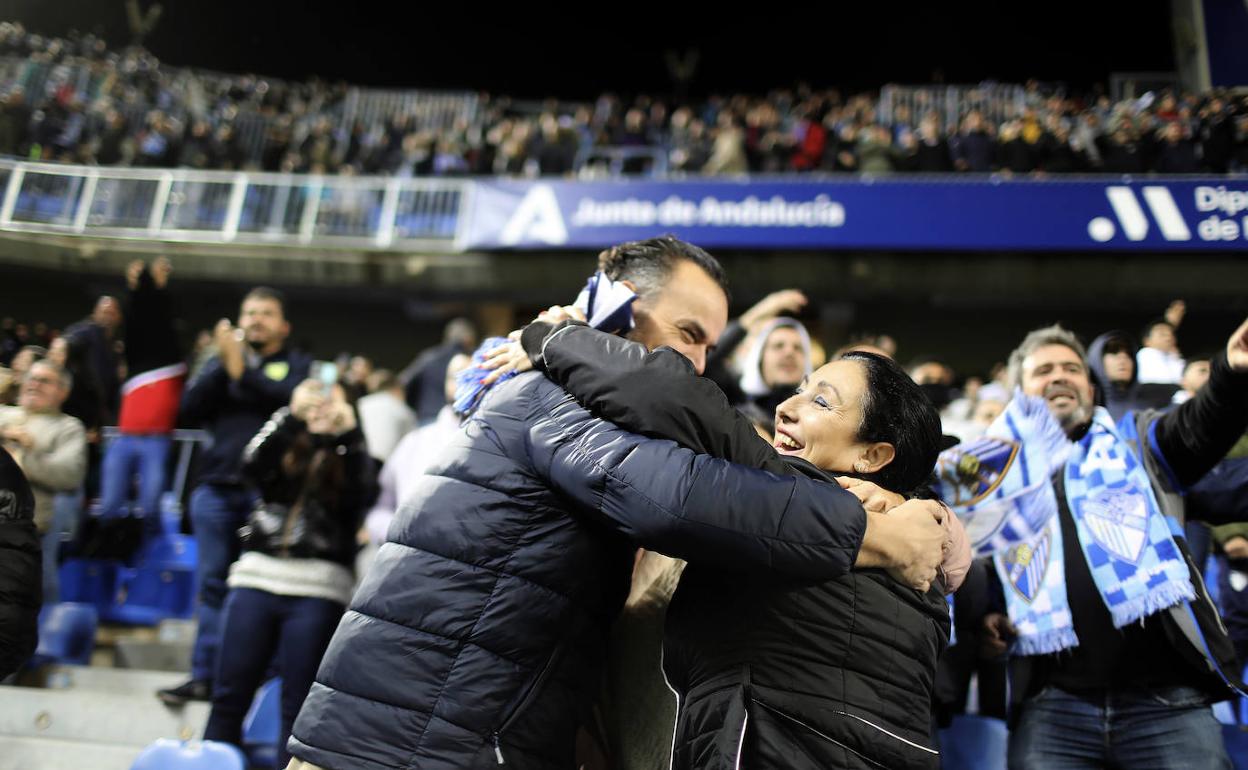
x: 1200, y: 359
x: 268, y: 293
x: 1153, y: 324
x: 895, y: 410
x: 648, y: 264
x: 1119, y: 342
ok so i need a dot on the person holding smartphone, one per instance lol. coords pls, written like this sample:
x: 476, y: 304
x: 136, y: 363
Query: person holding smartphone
x: 294, y: 578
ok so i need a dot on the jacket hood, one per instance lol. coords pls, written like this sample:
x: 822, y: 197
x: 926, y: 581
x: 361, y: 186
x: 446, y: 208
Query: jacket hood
x: 751, y: 368
x: 1096, y: 364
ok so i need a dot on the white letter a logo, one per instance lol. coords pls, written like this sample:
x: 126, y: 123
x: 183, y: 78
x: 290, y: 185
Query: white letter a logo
x: 537, y: 218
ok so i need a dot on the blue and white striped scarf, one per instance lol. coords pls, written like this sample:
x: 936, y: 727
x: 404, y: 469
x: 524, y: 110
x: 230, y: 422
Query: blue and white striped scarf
x: 1000, y: 487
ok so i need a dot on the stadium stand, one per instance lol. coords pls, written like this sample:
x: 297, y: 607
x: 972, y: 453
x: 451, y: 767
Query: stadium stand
x: 76, y: 100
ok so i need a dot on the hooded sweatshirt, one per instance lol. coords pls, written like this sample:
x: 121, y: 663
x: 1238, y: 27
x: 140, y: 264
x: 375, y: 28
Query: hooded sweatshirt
x: 1120, y: 398
x: 761, y: 399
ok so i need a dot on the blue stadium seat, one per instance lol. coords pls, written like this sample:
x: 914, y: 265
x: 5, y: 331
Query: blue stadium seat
x: 167, y: 754
x: 66, y: 634
x: 161, y: 585
x: 973, y: 743
x: 170, y: 551
x: 89, y: 581
x: 263, y: 723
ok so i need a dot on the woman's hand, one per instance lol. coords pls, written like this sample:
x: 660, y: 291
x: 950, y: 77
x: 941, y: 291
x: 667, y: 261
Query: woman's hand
x: 511, y: 357
x: 958, y: 554
x: 504, y: 359
x: 308, y: 397
x: 872, y: 496
x: 334, y: 416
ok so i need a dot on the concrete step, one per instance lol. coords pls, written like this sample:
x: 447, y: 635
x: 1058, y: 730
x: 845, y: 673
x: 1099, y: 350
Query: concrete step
x: 152, y: 655
x: 96, y: 717
x: 118, y: 681
x: 52, y: 754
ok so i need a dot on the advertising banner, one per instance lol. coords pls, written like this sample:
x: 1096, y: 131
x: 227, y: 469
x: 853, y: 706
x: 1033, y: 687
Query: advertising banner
x: 923, y: 214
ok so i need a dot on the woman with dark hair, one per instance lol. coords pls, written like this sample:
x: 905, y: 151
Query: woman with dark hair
x: 294, y: 578
x: 778, y: 674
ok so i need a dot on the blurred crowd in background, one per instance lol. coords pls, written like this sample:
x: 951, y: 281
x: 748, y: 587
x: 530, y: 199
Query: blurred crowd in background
x: 77, y: 100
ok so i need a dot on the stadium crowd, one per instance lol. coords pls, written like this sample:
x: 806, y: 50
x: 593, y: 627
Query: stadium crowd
x: 76, y: 100
x: 349, y: 528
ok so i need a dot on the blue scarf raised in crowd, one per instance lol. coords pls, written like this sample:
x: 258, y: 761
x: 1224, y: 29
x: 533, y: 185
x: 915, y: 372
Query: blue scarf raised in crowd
x: 608, y: 307
x: 1000, y: 487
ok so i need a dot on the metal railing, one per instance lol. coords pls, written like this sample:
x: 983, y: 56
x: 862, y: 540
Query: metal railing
x: 229, y: 207
x: 183, y: 98
x: 597, y: 162
x: 995, y: 101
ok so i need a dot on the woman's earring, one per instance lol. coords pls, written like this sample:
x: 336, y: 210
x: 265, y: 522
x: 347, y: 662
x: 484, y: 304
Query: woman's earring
x: 860, y: 466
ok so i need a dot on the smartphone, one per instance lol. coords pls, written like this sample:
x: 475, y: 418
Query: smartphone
x: 325, y: 372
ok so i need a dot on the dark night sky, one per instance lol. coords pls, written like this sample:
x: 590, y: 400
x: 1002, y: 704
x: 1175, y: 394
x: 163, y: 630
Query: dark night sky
x: 541, y: 52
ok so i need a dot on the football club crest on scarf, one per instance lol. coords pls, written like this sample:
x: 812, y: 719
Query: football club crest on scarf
x: 1118, y: 521
x: 976, y: 469
x: 1026, y: 564
x: 1011, y: 511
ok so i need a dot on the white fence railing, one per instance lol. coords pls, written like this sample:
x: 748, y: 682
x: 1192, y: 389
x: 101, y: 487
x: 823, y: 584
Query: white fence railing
x: 997, y: 102
x: 229, y: 207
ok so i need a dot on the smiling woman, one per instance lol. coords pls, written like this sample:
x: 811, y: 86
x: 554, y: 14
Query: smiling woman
x: 771, y: 674
x: 859, y: 415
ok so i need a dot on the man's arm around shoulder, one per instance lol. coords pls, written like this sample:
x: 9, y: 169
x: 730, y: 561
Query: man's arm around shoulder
x: 696, y: 507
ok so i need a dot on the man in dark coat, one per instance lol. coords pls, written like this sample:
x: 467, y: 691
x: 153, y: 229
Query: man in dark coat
x: 20, y: 568
x: 424, y: 379
x: 98, y: 334
x: 479, y: 635
x: 235, y: 393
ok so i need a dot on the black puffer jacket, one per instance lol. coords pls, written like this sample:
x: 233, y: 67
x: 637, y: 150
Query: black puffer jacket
x: 480, y: 632
x: 20, y: 568
x: 835, y: 675
x: 769, y: 673
x: 315, y: 513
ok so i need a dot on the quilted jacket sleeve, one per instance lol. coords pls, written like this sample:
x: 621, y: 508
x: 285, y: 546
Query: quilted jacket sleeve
x: 657, y: 394
x: 20, y: 568
x: 692, y: 506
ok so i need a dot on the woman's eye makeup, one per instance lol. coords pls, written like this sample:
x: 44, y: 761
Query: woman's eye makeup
x: 821, y: 401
